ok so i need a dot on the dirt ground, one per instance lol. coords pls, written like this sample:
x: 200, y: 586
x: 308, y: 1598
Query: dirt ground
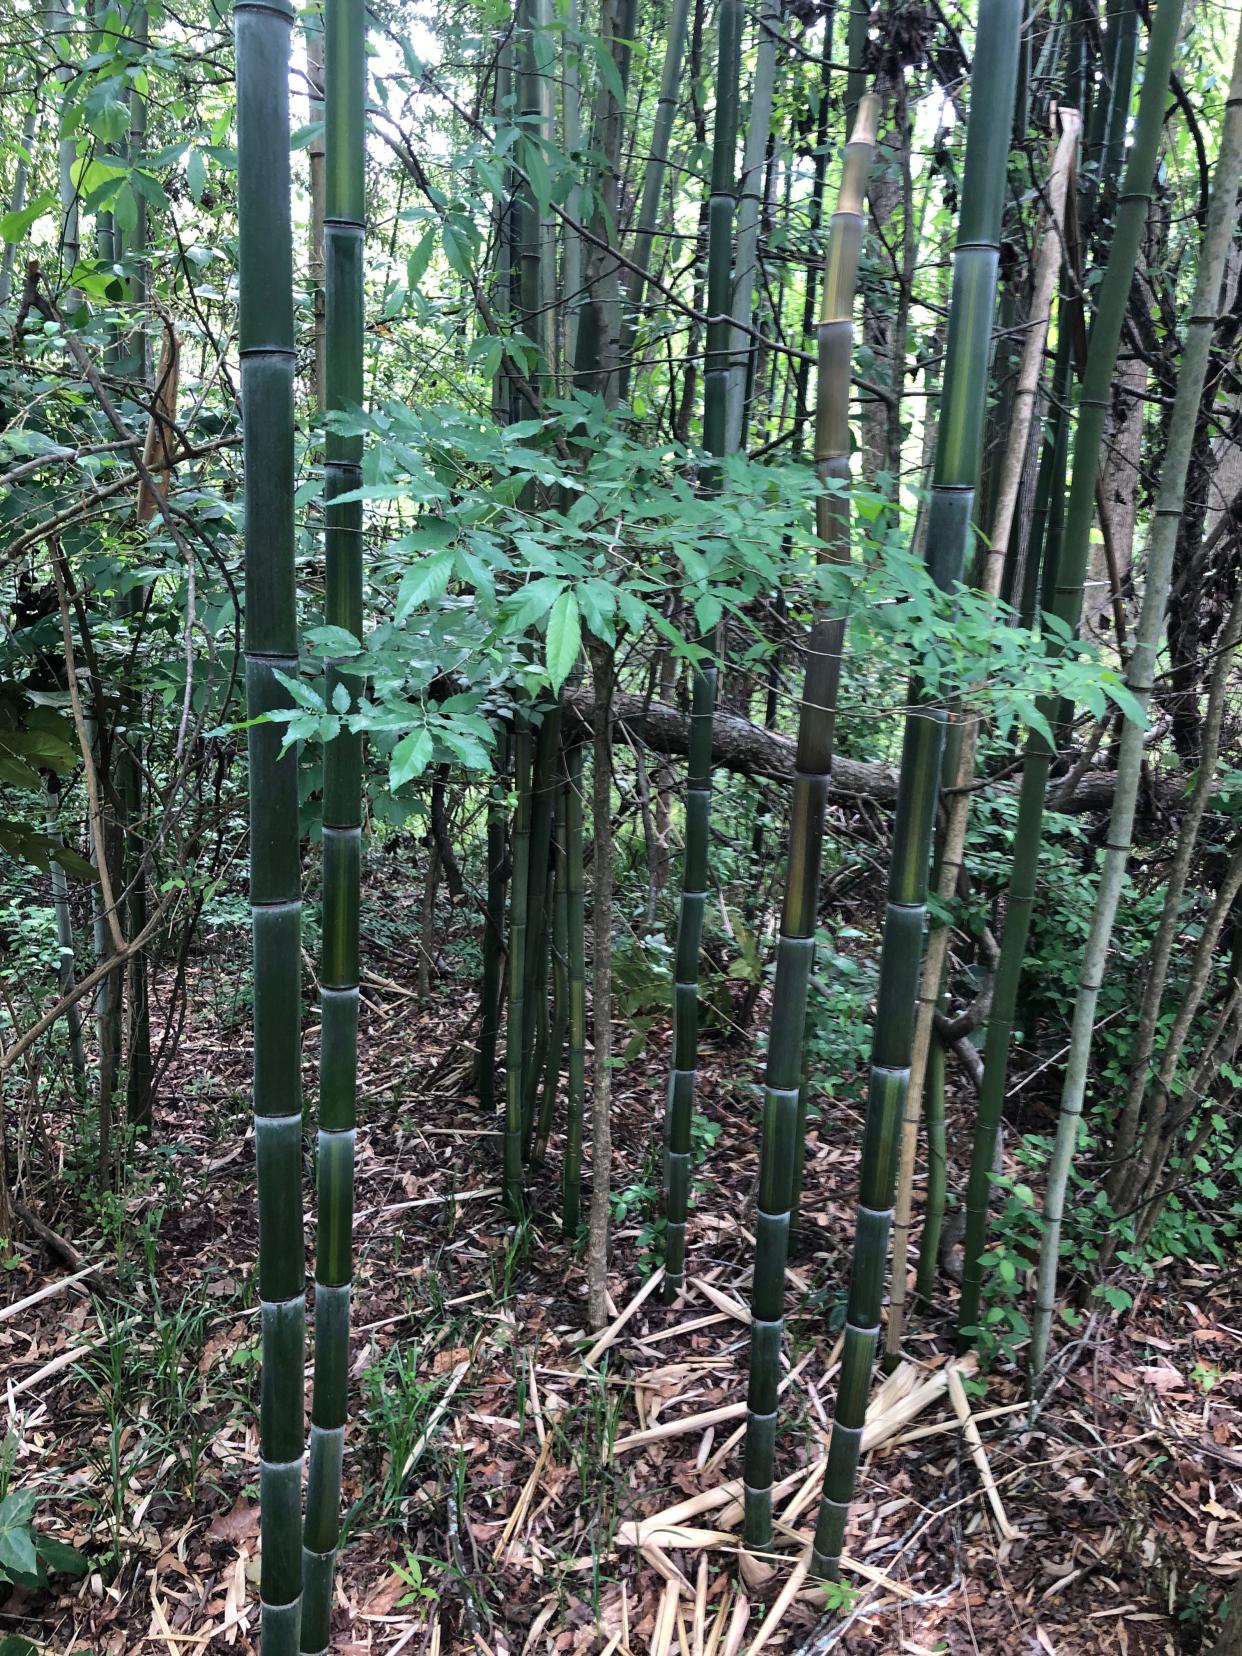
x: 500, y: 1472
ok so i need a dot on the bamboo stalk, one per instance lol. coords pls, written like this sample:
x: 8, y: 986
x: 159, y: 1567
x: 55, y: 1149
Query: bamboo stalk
x: 958, y: 446
x: 781, y: 1148
x: 1170, y: 502
x: 266, y: 340
x: 493, y: 936
x: 749, y: 205
x: 653, y: 180
x: 344, y: 238
x: 679, y: 1111
x: 571, y: 1177
x: 519, y: 886
x: 1094, y: 405
x: 1022, y: 414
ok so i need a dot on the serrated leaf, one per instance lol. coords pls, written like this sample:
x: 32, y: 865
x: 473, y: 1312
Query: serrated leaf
x: 456, y: 248
x: 468, y: 748
x: 563, y: 639
x: 535, y: 599
x: 420, y: 258
x: 425, y: 581
x: 410, y: 757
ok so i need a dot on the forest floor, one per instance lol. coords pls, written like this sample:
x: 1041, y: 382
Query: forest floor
x: 498, y: 1479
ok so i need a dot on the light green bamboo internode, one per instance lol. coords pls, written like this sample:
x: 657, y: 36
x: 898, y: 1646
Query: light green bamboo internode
x: 344, y: 230
x: 1140, y: 674
x: 781, y: 1149
x: 266, y: 341
x: 958, y: 449
x: 1094, y: 403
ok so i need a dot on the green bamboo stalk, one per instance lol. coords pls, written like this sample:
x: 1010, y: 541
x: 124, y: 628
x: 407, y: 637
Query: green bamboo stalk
x: 653, y: 182
x: 597, y: 343
x: 64, y: 940
x: 17, y: 196
x: 493, y: 935
x: 559, y: 1022
x: 575, y: 952
x: 780, y: 1152
x: 571, y: 245
x: 958, y: 450
x: 749, y: 205
x: 139, y: 1075
x: 679, y: 1111
x: 267, y: 362
x: 519, y: 889
x: 1122, y: 56
x: 721, y: 207
x: 344, y: 231
x: 959, y: 753
x: 60, y: 32
x: 858, y: 25
x: 503, y: 215
x: 535, y: 996
x: 536, y: 230
x: 1094, y: 404
x: 1044, y: 537
x: 1140, y: 672
x: 933, y: 1206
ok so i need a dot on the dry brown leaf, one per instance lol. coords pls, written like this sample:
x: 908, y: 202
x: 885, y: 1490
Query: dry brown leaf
x: 239, y: 1523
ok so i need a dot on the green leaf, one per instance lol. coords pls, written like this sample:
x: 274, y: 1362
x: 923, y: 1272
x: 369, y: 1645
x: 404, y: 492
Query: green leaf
x: 528, y: 603
x: 410, y: 757
x: 60, y: 1557
x: 456, y: 248
x: 564, y: 638
x: 468, y: 748
x: 13, y: 226
x: 196, y: 173
x: 1125, y: 699
x: 420, y: 258
x: 14, y: 1645
x: 125, y: 211
x: 425, y: 581
x: 17, y: 1548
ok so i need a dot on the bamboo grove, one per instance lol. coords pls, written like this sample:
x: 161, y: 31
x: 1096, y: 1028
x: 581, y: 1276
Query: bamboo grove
x: 743, y: 501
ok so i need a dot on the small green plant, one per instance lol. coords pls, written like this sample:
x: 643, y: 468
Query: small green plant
x: 411, y: 1572
x: 839, y: 1596
x: 27, y: 1559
